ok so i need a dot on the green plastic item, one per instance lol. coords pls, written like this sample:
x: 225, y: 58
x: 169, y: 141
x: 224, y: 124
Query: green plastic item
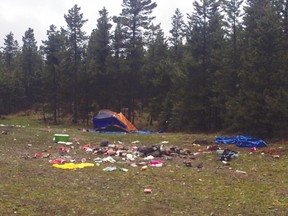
x: 61, y: 138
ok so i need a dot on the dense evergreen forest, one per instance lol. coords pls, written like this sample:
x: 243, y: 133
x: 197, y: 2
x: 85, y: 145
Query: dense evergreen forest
x: 224, y: 68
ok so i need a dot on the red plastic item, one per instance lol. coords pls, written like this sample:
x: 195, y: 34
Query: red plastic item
x: 88, y: 145
x: 57, y: 161
x: 37, y: 155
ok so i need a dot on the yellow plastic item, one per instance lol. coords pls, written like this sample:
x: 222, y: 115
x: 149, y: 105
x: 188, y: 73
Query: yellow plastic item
x: 70, y: 166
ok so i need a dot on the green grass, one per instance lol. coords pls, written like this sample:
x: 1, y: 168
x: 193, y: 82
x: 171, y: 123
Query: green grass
x: 32, y: 186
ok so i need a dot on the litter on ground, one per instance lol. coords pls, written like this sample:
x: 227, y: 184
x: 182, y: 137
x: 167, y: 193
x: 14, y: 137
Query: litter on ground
x: 70, y: 166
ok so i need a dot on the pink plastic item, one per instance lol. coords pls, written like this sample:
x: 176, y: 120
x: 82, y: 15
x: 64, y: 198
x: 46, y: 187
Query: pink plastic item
x: 156, y: 163
x: 147, y: 190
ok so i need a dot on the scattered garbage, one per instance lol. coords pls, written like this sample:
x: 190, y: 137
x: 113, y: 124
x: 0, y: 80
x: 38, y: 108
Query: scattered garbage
x: 123, y: 169
x: 187, y: 163
x: 98, y: 160
x: 219, y: 151
x: 104, y: 143
x: 228, y: 154
x: 150, y: 157
x: 57, y: 161
x: 225, y: 162
x: 37, y: 155
x: 156, y: 163
x: 144, y: 167
x: 88, y: 145
x: 130, y: 157
x: 147, y: 190
x: 70, y: 166
x: 46, y: 155
x: 134, y: 165
x: 110, y: 169
x: 212, y: 148
x: 61, y: 138
x: 65, y: 143
x: 200, y: 166
x: 109, y: 159
x: 140, y: 157
x: 276, y: 156
x: 241, y: 172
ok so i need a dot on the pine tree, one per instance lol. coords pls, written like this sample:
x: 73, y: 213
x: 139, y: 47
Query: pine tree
x: 76, y: 38
x: 98, y: 58
x: 53, y: 48
x: 10, y: 51
x: 12, y: 89
x: 205, y: 39
x: 136, y: 19
x: 31, y: 67
x: 155, y: 80
x: 119, y: 66
x: 233, y: 12
x: 177, y: 35
x: 229, y: 78
x: 259, y: 78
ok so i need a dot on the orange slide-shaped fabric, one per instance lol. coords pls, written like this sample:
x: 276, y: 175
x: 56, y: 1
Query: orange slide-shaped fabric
x: 125, y: 121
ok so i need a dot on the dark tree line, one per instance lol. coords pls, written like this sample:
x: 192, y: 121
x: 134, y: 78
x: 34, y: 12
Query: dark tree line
x: 224, y: 66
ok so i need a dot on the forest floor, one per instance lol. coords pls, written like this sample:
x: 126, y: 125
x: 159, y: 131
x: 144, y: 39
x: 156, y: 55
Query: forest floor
x: 192, y: 182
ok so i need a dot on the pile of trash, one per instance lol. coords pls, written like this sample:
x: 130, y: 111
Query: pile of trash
x: 119, y: 153
x: 66, y: 154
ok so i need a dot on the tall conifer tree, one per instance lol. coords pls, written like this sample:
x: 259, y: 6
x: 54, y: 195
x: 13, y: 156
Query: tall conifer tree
x: 136, y: 19
x: 31, y: 67
x: 76, y: 38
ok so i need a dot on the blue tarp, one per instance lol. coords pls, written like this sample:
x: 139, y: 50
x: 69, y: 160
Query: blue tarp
x: 242, y: 141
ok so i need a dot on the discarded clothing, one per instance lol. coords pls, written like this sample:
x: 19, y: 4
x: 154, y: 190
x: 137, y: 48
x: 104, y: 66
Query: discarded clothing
x: 70, y: 166
x: 110, y: 169
x: 242, y: 141
x: 227, y: 155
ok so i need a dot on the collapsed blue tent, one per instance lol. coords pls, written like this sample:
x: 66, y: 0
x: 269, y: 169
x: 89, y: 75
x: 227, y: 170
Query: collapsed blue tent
x: 242, y: 141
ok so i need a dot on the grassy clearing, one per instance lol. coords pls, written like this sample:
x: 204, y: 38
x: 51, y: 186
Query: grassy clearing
x: 32, y: 186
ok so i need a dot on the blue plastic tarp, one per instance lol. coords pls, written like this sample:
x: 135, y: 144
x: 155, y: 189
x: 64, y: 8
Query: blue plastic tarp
x: 242, y: 141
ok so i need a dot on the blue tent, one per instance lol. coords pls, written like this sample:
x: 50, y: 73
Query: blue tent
x: 111, y: 121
